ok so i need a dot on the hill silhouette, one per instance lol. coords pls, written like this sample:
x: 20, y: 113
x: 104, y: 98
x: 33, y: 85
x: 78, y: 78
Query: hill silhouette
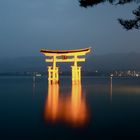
x: 104, y: 62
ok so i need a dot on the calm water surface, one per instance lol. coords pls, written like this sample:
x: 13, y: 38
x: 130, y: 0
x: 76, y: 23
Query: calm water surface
x: 99, y: 108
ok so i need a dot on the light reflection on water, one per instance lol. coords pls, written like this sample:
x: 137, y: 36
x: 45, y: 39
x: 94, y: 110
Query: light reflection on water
x: 111, y: 89
x: 68, y: 108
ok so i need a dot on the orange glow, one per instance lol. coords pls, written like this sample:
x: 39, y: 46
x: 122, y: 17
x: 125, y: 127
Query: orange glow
x: 76, y: 111
x: 51, y: 106
x: 71, y: 109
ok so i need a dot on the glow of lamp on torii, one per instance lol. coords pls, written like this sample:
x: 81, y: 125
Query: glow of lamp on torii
x: 55, y: 56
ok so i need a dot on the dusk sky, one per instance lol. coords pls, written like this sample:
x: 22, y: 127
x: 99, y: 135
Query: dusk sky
x: 26, y: 26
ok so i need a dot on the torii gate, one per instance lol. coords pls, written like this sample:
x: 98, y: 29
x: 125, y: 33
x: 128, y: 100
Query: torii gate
x: 64, y: 56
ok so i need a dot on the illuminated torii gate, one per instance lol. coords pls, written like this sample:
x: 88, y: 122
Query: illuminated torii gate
x: 64, y: 56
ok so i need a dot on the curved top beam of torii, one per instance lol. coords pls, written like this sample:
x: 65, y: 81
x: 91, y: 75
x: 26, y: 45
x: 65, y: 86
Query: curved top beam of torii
x: 65, y: 52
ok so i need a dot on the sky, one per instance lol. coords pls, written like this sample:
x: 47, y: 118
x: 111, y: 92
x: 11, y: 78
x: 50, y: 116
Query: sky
x: 26, y: 26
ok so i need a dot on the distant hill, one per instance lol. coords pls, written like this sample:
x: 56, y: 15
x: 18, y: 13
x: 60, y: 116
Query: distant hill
x: 116, y: 61
x: 105, y: 62
x: 22, y: 64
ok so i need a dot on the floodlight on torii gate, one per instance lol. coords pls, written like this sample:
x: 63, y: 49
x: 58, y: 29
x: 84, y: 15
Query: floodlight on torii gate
x: 55, y: 56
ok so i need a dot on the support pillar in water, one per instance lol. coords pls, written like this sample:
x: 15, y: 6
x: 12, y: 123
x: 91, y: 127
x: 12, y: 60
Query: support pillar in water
x: 76, y: 74
x: 53, y: 77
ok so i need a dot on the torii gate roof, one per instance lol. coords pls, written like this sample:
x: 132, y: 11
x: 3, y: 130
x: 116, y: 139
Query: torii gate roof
x: 84, y: 50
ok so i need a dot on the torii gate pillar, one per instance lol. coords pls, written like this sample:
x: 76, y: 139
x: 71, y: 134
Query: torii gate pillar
x: 53, y: 73
x: 76, y: 74
x: 76, y: 71
x: 53, y: 76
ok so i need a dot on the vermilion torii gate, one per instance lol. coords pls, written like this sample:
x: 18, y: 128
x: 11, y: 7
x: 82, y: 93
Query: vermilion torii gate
x: 64, y: 56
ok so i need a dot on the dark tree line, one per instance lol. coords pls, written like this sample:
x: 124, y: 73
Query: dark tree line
x: 126, y: 23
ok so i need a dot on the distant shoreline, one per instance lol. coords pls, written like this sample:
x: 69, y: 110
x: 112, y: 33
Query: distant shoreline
x: 84, y: 76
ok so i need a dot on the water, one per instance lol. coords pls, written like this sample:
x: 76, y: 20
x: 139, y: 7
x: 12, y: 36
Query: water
x: 100, y: 108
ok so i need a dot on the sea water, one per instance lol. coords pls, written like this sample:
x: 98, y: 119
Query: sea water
x: 98, y: 108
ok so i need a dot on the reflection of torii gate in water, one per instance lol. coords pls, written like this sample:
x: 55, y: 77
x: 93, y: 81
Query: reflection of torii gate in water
x: 65, y: 56
x: 71, y: 109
